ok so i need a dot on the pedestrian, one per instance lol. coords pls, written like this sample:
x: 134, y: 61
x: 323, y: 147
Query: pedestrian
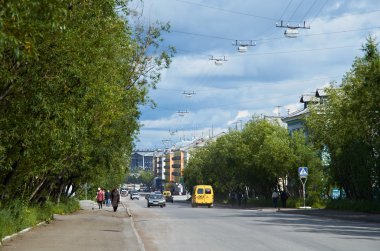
x: 239, y: 197
x: 107, y: 196
x: 274, y: 198
x: 245, y: 199
x: 284, y: 196
x: 115, y: 199
x: 232, y: 198
x: 100, y: 197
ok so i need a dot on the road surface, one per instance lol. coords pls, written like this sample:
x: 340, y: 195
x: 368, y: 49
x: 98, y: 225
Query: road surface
x: 178, y: 226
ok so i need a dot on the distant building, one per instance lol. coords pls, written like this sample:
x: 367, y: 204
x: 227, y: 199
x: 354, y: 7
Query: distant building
x: 296, y: 120
x: 142, y: 160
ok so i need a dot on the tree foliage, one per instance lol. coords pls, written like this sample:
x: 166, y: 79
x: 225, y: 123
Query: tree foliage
x: 72, y: 76
x: 258, y: 157
x: 348, y: 126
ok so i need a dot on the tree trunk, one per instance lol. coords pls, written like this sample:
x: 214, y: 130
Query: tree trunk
x: 36, y: 190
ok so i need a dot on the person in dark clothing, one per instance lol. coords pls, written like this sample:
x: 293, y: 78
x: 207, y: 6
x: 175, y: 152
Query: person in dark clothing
x: 284, y: 196
x: 239, y: 197
x: 115, y: 199
x: 107, y: 196
x: 245, y: 199
x: 233, y: 198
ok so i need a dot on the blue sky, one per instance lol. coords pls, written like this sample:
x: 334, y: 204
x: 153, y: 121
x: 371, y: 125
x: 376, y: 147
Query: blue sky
x: 275, y: 72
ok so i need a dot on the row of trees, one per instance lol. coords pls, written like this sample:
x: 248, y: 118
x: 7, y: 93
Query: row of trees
x: 343, y: 131
x: 71, y: 78
x: 347, y: 127
x: 255, y: 158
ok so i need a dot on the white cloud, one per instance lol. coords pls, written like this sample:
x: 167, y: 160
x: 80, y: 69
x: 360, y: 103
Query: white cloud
x: 276, y: 72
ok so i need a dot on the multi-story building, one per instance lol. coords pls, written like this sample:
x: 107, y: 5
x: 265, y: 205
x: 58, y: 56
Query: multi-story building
x: 178, y: 165
x: 168, y: 167
x: 142, y: 160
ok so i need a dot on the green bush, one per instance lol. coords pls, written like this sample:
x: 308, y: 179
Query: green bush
x: 17, y: 215
x: 354, y: 205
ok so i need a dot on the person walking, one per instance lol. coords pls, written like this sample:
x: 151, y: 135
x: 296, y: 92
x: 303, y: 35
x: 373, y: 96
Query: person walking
x: 284, y: 196
x: 274, y: 198
x: 100, y: 197
x: 107, y: 196
x: 245, y: 199
x: 115, y: 199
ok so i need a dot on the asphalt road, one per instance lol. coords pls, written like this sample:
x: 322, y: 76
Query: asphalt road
x: 178, y: 226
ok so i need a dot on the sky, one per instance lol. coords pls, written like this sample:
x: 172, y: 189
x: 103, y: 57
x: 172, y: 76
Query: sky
x: 268, y: 79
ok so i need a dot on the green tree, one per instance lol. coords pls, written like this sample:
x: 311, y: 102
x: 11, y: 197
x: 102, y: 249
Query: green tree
x: 72, y: 78
x: 348, y: 126
x: 256, y: 158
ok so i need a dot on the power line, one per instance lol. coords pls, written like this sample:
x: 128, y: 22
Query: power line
x: 290, y: 18
x: 308, y: 11
x: 287, y: 6
x: 225, y: 10
x: 275, y: 38
x: 319, y: 11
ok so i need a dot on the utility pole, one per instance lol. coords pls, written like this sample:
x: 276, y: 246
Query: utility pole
x: 278, y: 110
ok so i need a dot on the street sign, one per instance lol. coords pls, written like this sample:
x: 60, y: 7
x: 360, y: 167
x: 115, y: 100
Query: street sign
x: 302, y: 172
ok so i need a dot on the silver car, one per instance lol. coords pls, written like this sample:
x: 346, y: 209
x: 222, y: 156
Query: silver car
x: 135, y: 195
x: 156, y: 200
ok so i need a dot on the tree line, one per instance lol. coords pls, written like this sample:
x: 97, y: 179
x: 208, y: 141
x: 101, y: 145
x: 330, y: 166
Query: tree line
x: 72, y: 76
x: 254, y: 159
x: 340, y: 145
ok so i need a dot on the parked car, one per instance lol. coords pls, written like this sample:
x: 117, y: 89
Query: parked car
x: 156, y: 200
x: 168, y: 196
x: 135, y: 195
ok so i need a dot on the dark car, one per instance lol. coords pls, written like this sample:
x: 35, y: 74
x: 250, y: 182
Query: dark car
x: 156, y: 200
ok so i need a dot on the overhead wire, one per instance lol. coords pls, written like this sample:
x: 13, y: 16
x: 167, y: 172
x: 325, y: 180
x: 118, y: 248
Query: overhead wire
x: 282, y: 37
x: 308, y: 11
x: 268, y: 18
x: 319, y: 11
x: 294, y: 12
x: 225, y: 10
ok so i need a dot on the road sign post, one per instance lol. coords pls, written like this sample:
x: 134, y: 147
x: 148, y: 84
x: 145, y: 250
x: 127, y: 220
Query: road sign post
x: 303, y: 172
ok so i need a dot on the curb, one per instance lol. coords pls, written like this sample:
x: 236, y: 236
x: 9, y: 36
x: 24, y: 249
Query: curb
x: 9, y: 237
x: 141, y: 244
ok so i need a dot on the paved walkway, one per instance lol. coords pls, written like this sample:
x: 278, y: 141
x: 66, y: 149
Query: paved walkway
x: 88, y: 229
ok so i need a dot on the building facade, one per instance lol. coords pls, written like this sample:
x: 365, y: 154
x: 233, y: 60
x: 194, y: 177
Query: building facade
x: 142, y: 160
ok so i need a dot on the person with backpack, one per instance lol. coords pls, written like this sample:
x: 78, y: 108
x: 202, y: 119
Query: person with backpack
x: 100, y: 197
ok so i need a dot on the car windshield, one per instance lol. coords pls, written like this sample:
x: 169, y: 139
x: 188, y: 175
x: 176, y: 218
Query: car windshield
x: 155, y: 196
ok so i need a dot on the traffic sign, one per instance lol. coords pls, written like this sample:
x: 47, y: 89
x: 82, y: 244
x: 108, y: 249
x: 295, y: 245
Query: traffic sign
x: 303, y: 172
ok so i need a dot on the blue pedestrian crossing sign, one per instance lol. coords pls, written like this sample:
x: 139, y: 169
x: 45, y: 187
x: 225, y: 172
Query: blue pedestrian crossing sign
x: 303, y: 172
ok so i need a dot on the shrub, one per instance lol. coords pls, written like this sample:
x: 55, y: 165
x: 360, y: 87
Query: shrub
x: 17, y: 215
x: 354, y: 205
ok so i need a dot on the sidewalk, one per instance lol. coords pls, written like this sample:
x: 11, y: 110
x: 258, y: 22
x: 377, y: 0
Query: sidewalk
x: 88, y: 229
